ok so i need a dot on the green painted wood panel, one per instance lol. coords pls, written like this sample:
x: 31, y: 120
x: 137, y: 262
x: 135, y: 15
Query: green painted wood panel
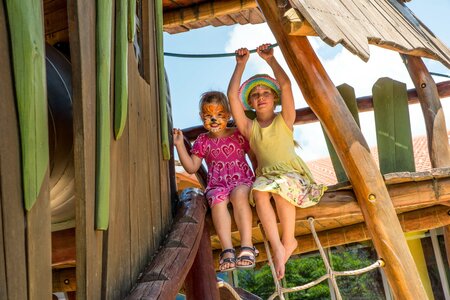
x: 131, y: 20
x: 103, y: 157
x: 161, y: 80
x: 395, y: 150
x: 348, y: 94
x: 26, y: 28
x: 13, y: 258
x: 120, y: 69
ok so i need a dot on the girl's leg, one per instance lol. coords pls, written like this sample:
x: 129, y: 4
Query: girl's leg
x: 268, y: 219
x: 222, y: 223
x: 286, y: 214
x: 243, y: 217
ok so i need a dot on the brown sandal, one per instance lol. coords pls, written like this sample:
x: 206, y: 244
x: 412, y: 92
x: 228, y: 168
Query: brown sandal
x: 229, y: 260
x: 250, y: 258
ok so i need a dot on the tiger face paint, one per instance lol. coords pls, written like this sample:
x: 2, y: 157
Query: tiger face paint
x: 214, y: 117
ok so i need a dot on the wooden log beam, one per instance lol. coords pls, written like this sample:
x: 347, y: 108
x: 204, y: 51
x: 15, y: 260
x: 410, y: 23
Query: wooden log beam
x: 164, y: 276
x: 201, y: 282
x: 205, y: 11
x: 343, y: 206
x: 437, y: 137
x: 353, y: 151
x: 306, y: 115
x: 422, y: 219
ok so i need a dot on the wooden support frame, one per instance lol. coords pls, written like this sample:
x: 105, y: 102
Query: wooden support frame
x: 371, y: 192
x: 206, y: 10
x: 437, y: 137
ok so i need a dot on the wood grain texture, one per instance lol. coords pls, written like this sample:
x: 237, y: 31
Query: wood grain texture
x: 164, y: 276
x: 121, y: 68
x: 201, y: 281
x: 12, y: 219
x: 356, y: 24
x: 26, y: 28
x: 103, y: 31
x: 89, y: 244
x: 421, y: 219
x: 393, y: 127
x: 373, y: 197
x: 437, y: 137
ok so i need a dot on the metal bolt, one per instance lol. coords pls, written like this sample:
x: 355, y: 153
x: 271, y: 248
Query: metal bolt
x: 423, y: 85
x: 372, y: 197
x: 66, y: 281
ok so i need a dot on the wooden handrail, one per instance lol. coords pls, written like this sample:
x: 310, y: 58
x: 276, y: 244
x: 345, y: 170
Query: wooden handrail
x: 306, y: 115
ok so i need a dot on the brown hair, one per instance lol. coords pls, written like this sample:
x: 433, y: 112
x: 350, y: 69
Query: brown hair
x: 214, y: 97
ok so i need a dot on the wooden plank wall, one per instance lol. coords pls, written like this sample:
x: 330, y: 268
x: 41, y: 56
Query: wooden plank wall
x: 12, y: 238
x: 25, y: 240
x: 89, y: 243
x: 108, y: 263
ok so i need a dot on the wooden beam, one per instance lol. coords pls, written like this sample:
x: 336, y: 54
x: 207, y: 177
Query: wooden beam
x: 295, y: 24
x: 353, y: 151
x: 425, y: 218
x: 437, y: 137
x: 64, y: 280
x: 201, y: 281
x: 165, y: 275
x: 206, y: 10
x: 340, y: 208
x: 306, y: 115
x: 89, y: 243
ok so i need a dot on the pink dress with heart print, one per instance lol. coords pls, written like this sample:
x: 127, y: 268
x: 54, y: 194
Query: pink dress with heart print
x: 227, y: 167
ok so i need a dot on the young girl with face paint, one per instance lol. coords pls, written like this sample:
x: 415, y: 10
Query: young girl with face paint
x: 281, y: 173
x: 229, y: 177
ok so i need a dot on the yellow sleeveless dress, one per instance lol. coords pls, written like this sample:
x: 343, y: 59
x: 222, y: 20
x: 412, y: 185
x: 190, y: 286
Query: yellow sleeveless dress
x: 280, y: 170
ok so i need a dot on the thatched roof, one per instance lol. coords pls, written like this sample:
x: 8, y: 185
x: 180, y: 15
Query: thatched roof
x: 353, y: 23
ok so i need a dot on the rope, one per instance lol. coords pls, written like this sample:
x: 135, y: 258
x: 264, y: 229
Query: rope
x: 331, y: 274
x: 211, y: 55
x: 439, y: 74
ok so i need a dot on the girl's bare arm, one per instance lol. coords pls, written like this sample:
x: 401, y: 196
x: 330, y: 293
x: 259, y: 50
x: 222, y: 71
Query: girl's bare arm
x: 237, y: 108
x: 191, y: 163
x: 287, y: 98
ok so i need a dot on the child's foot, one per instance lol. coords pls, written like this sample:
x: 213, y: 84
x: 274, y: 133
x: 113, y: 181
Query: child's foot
x: 289, y: 247
x: 227, y: 260
x: 279, y: 261
x: 246, y: 258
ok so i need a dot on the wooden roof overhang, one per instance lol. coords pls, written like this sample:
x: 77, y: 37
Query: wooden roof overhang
x: 354, y: 24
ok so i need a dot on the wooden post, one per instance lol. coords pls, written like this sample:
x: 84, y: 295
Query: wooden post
x: 201, y: 281
x: 437, y: 138
x: 353, y: 151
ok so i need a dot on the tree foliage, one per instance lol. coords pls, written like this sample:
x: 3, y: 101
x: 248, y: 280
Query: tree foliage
x: 300, y: 271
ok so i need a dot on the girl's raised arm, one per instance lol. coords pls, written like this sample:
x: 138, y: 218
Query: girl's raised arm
x: 237, y: 108
x: 287, y: 98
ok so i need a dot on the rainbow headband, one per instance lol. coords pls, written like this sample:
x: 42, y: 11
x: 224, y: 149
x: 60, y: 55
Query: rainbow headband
x: 258, y: 79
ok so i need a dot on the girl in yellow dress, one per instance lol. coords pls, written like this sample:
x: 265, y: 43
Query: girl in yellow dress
x: 280, y: 173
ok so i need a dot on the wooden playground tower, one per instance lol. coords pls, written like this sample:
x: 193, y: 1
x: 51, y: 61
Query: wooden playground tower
x: 115, y: 189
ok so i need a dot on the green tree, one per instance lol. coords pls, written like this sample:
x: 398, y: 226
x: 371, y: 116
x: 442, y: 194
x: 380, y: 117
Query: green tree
x: 300, y: 271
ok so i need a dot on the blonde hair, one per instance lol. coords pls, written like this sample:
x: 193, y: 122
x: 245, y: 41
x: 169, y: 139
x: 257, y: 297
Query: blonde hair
x: 214, y: 97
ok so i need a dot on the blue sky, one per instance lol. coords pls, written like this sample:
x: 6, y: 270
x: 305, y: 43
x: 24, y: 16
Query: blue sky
x: 189, y: 77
